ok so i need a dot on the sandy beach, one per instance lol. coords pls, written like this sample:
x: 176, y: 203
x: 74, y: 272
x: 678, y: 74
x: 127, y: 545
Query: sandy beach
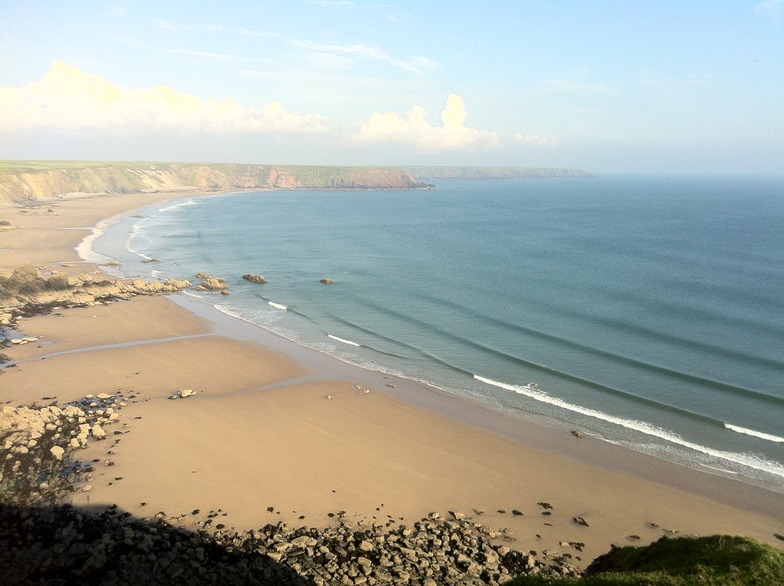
x: 277, y: 432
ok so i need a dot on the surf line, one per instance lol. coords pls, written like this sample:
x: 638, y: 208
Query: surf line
x: 349, y: 342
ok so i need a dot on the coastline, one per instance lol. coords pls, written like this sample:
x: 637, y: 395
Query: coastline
x: 260, y: 431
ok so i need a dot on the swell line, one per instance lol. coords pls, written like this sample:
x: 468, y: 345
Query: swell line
x: 748, y: 460
x: 634, y: 362
x: 379, y: 336
x: 544, y: 369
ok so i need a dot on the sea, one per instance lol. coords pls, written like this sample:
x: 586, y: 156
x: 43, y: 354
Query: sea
x: 645, y: 311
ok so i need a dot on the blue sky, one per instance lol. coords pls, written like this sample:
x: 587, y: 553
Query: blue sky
x: 610, y: 87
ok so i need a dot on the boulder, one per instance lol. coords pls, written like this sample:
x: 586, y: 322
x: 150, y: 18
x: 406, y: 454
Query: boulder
x: 182, y: 394
x: 213, y: 284
x: 57, y: 452
x: 260, y: 279
x: 327, y: 281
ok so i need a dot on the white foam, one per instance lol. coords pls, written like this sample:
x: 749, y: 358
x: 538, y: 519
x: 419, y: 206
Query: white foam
x: 753, y: 432
x: 277, y: 305
x: 349, y: 342
x: 189, y: 202
x: 749, y: 460
x: 85, y: 247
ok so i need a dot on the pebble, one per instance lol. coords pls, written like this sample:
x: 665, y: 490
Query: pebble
x: 114, y: 547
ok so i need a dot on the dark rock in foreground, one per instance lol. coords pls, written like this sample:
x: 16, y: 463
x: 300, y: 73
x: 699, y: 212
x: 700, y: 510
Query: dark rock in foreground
x: 64, y: 545
x: 44, y: 542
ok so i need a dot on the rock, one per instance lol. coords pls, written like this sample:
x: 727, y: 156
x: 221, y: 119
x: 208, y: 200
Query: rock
x: 327, y: 281
x: 213, y: 284
x: 97, y: 432
x: 580, y: 521
x: 365, y: 545
x: 260, y: 279
x: 57, y: 452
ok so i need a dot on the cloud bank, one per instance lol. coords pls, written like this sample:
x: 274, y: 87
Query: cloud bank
x: 417, y: 132
x: 68, y: 99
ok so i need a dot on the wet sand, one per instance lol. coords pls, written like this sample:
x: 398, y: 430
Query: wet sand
x: 274, y: 425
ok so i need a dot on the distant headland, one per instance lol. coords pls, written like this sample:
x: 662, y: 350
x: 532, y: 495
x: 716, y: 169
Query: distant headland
x: 29, y: 181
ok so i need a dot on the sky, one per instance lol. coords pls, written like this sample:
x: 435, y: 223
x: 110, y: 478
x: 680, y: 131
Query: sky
x: 636, y: 86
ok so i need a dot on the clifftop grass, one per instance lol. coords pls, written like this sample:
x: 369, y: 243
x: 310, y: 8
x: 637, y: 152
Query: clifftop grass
x: 683, y: 561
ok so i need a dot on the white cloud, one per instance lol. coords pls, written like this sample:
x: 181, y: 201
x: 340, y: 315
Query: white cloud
x: 213, y: 57
x: 212, y: 28
x: 414, y: 64
x: 165, y: 24
x: 773, y: 9
x: 239, y: 31
x: 417, y: 132
x: 68, y: 99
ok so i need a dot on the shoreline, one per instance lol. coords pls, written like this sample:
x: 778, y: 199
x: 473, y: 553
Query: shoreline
x: 383, y: 434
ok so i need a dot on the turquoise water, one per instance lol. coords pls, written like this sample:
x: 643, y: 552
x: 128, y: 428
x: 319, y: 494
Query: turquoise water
x: 646, y: 311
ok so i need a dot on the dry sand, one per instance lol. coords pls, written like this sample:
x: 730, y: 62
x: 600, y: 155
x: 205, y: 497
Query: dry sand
x: 269, y: 427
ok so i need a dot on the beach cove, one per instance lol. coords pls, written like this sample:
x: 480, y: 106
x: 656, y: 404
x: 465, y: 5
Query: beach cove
x: 276, y: 432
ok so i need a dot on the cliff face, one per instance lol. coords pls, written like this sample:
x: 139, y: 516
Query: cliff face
x: 20, y: 182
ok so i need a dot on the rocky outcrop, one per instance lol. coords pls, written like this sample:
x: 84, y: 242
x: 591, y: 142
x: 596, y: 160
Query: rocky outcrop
x: 66, y: 545
x: 29, y: 182
x: 39, y: 294
x: 260, y: 279
x: 40, y: 443
x: 213, y: 284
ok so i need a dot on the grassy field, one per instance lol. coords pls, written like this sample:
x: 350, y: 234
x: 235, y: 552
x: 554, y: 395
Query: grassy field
x: 683, y: 561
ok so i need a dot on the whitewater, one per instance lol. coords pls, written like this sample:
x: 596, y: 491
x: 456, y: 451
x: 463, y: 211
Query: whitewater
x: 645, y: 311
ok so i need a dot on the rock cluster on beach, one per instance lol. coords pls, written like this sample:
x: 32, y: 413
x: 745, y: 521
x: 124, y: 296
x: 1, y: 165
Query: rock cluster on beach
x: 65, y: 545
x: 43, y: 540
x: 78, y: 291
x: 39, y: 441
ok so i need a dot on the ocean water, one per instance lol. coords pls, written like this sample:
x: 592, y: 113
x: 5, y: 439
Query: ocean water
x: 647, y: 311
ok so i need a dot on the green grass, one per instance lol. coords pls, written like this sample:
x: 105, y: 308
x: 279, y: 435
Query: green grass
x: 682, y: 561
x: 37, y: 166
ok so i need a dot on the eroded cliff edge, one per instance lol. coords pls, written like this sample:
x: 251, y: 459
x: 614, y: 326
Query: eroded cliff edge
x: 25, y: 181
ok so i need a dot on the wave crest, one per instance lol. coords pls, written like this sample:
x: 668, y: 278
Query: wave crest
x: 748, y: 460
x: 344, y: 341
x: 753, y: 432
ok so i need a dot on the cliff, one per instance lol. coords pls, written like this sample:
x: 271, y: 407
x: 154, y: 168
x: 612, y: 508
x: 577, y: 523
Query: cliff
x: 25, y: 181
x: 424, y: 173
